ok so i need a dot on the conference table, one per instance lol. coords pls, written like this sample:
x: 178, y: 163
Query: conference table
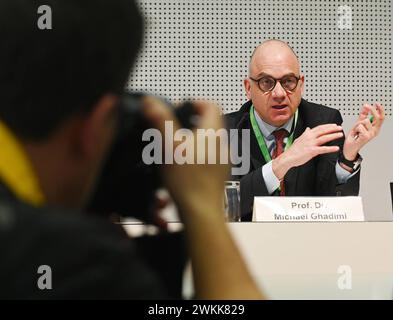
x: 346, y: 260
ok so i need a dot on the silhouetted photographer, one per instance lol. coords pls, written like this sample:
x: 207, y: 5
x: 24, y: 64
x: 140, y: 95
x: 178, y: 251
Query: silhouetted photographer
x: 60, y: 95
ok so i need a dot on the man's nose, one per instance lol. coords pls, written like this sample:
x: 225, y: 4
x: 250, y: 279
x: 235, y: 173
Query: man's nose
x: 278, y: 91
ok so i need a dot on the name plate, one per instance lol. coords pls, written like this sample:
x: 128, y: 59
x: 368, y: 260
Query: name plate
x: 308, y: 209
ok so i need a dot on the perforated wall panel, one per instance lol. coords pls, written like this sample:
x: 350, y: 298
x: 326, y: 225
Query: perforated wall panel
x: 201, y: 48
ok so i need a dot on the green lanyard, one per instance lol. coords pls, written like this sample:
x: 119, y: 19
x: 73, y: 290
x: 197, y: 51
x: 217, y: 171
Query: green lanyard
x: 261, y: 139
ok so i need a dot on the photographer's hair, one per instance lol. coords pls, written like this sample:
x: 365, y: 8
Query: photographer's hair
x: 46, y: 76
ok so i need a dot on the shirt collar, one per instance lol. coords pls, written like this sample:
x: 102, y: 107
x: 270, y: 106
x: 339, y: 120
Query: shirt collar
x: 268, y: 129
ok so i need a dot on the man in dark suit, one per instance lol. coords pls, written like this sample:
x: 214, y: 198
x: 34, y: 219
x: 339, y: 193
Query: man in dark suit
x: 297, y: 148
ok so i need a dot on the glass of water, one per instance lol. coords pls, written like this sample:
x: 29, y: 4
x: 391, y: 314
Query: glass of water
x: 232, y: 201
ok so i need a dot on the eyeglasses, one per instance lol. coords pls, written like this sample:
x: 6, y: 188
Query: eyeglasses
x: 268, y: 83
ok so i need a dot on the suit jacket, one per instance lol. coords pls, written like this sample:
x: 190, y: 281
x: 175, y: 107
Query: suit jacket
x: 317, y: 177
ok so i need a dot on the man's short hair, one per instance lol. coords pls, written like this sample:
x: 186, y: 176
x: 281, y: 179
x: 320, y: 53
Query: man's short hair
x: 46, y: 76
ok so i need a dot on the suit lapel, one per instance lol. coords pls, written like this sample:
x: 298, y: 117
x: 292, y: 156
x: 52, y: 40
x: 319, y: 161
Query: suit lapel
x: 256, y: 157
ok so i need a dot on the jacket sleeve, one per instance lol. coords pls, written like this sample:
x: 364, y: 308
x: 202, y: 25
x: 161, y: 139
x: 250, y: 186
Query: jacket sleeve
x: 251, y: 185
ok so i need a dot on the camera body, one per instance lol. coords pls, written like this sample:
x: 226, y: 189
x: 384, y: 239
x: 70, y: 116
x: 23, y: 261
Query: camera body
x: 127, y: 186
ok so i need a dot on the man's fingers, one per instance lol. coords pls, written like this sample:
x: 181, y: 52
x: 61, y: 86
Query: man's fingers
x: 367, y: 124
x: 378, y: 114
x: 328, y: 149
x: 364, y: 111
x: 362, y: 131
x: 329, y: 137
x: 158, y: 113
x: 209, y: 115
x: 380, y: 110
x: 326, y: 129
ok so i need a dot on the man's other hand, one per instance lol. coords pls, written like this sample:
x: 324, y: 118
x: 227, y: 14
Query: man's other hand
x: 364, y: 130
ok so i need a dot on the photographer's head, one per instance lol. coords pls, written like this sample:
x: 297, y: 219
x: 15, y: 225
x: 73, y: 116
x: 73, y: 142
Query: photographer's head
x: 59, y: 87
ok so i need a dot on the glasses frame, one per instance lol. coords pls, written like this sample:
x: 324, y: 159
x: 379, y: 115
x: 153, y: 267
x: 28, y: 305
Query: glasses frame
x: 275, y: 82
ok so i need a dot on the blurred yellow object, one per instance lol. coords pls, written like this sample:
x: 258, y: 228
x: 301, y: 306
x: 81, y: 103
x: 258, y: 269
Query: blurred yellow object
x: 16, y: 171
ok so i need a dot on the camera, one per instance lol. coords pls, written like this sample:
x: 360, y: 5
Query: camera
x: 126, y: 185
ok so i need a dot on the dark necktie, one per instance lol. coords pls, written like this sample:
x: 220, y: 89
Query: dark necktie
x: 279, y: 136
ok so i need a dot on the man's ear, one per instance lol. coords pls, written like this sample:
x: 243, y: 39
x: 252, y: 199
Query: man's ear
x: 247, y: 87
x: 302, y: 85
x: 98, y: 126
